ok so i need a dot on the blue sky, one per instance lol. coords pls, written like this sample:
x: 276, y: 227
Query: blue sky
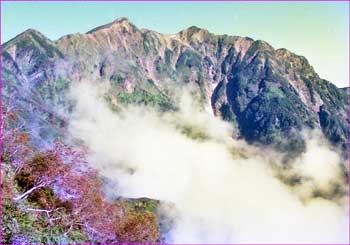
x: 317, y: 30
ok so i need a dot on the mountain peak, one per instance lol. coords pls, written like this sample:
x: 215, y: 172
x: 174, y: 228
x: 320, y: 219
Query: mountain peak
x: 28, y: 36
x: 193, y: 32
x: 31, y: 33
x: 117, y: 23
x: 122, y: 20
x: 194, y: 29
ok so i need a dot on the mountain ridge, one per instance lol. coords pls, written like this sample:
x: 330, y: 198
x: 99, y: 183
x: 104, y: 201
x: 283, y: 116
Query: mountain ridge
x: 238, y: 77
x: 121, y: 20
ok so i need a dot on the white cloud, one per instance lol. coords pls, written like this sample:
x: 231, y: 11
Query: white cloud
x: 218, y: 197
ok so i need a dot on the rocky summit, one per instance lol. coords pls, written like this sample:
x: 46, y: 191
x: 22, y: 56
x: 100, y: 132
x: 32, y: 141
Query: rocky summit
x: 269, y: 95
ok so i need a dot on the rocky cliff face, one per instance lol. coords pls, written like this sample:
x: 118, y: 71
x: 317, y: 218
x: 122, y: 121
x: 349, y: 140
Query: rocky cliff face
x: 269, y: 95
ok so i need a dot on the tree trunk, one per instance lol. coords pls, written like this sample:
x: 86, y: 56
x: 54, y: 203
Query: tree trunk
x: 25, y: 194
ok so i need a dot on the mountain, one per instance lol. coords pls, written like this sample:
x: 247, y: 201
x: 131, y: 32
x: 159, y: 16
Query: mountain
x: 54, y: 194
x: 268, y: 94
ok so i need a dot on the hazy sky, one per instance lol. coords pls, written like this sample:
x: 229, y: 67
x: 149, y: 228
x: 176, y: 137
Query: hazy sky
x: 317, y: 30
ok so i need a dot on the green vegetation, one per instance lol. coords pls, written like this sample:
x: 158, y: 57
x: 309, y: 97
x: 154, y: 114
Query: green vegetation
x: 332, y: 95
x: 143, y: 97
x: 168, y: 56
x: 274, y: 91
x: 43, y: 43
x: 116, y: 80
x: 189, y: 59
x: 54, y: 94
x: 149, y: 43
x: 22, y: 223
x: 142, y: 205
x: 193, y: 132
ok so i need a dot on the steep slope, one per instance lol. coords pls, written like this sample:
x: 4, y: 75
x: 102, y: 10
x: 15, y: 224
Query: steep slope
x: 269, y: 95
x: 29, y: 83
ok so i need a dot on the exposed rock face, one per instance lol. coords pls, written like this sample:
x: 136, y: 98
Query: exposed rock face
x: 270, y: 95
